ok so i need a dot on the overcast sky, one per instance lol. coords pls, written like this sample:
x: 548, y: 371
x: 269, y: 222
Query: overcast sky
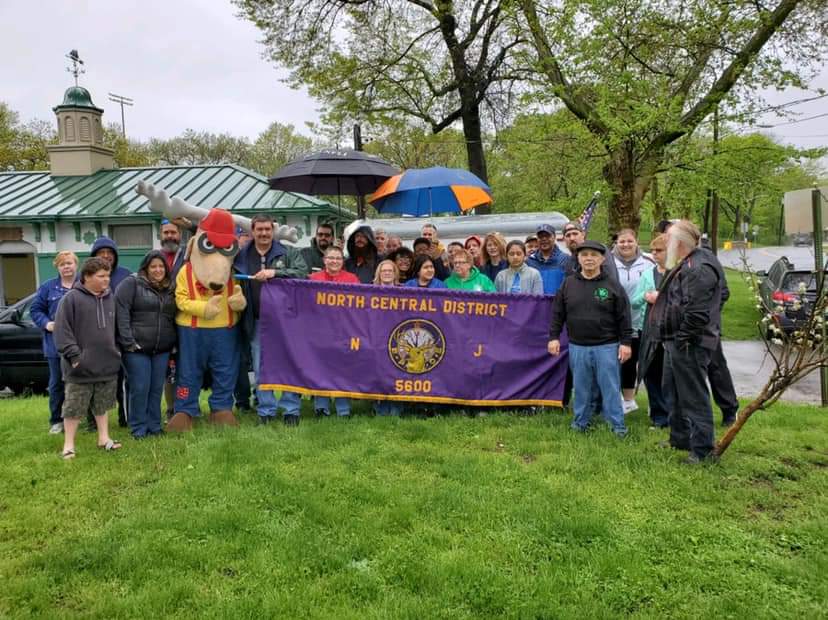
x: 189, y: 63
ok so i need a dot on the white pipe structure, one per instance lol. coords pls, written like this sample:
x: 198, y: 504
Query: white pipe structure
x: 171, y: 208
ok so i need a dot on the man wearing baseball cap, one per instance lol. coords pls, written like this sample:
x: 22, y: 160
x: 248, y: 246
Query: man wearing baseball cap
x: 549, y: 260
x: 596, y: 312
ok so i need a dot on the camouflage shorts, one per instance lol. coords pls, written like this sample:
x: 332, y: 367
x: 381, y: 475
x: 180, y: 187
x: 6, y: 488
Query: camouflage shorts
x: 95, y: 398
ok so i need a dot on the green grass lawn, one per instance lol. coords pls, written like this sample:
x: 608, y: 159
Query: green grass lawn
x: 451, y: 517
x: 740, y: 316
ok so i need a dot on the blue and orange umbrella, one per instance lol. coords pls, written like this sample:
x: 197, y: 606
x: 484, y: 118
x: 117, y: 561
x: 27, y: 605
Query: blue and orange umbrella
x: 426, y: 191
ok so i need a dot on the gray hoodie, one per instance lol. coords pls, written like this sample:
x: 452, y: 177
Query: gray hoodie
x: 85, y: 333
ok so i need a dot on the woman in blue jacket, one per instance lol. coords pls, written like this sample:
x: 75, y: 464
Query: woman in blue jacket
x: 43, y: 310
x: 423, y: 272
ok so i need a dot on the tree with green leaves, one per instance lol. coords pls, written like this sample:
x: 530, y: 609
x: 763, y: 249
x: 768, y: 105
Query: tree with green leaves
x: 276, y: 146
x: 200, y: 147
x: 544, y: 162
x: 642, y: 74
x: 438, y: 62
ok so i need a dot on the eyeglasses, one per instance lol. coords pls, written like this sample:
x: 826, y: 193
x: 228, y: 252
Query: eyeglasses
x: 461, y: 262
x: 324, y: 234
x: 333, y: 258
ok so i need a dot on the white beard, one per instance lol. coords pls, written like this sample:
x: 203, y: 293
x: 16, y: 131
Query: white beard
x: 672, y: 253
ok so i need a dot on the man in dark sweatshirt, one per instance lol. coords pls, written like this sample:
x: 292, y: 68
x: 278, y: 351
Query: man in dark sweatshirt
x: 90, y: 359
x: 596, y: 312
x: 362, y: 254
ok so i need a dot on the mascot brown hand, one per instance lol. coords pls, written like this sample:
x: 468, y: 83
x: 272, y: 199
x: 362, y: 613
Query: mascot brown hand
x: 209, y: 302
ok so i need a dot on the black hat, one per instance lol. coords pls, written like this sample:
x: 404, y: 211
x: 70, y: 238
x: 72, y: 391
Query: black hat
x: 591, y: 245
x: 420, y: 240
x: 545, y: 228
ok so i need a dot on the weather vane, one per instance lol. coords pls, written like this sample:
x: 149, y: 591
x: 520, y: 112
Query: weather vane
x: 77, y: 65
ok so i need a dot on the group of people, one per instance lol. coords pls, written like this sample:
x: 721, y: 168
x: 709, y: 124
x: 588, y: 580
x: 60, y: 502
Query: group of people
x: 106, y: 328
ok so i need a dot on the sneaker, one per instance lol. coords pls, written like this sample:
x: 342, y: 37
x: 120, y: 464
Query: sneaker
x: 320, y: 413
x: 56, y: 429
x: 291, y: 420
x: 630, y: 406
x: 728, y: 421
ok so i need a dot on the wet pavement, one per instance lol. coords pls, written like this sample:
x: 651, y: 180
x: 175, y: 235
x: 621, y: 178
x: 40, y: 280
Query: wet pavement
x: 760, y: 259
x: 750, y: 366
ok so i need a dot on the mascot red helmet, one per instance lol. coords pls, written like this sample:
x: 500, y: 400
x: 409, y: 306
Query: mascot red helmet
x: 219, y: 228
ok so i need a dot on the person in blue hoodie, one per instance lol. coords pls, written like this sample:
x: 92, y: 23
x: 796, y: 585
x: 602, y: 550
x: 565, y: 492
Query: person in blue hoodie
x: 549, y: 260
x: 107, y: 249
x: 43, y: 311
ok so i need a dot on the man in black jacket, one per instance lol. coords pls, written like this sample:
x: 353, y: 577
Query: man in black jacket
x: 596, y: 312
x: 718, y: 373
x: 688, y: 319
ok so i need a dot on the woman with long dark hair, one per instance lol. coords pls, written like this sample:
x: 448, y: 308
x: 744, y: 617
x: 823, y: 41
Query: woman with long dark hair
x: 145, y: 319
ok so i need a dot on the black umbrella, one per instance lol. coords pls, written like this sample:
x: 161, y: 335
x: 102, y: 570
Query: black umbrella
x: 340, y: 172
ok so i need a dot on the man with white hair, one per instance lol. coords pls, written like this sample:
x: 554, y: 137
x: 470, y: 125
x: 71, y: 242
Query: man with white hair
x: 688, y: 318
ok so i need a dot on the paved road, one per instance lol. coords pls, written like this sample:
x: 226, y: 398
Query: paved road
x: 750, y: 368
x: 760, y: 259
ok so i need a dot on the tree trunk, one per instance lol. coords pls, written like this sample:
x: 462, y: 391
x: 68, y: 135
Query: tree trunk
x: 474, y: 142
x: 659, y: 209
x: 741, y: 418
x: 629, y: 185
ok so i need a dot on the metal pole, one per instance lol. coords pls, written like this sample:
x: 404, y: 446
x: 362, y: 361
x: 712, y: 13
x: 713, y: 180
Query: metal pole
x: 781, y: 221
x: 358, y: 147
x: 714, y: 205
x: 819, y: 266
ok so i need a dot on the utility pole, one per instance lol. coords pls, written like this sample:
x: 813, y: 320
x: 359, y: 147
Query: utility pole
x: 77, y: 65
x: 358, y: 147
x: 714, y: 202
x: 123, y: 101
x: 819, y: 266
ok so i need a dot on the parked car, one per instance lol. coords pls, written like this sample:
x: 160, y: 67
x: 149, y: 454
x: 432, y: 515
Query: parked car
x: 802, y: 239
x: 781, y: 286
x: 22, y: 365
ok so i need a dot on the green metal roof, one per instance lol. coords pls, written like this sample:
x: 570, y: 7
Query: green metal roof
x: 77, y: 97
x: 40, y: 197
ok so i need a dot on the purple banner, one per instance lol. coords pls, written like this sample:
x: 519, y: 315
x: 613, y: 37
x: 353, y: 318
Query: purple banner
x: 397, y: 343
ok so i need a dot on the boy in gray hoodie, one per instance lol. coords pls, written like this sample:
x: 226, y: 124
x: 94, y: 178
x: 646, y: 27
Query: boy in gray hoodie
x: 90, y: 359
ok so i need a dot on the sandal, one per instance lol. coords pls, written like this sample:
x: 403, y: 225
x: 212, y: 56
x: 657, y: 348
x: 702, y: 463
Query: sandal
x: 68, y: 455
x: 110, y: 445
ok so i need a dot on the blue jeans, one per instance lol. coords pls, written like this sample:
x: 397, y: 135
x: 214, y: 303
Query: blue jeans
x: 597, y: 369
x: 145, y: 376
x: 57, y: 391
x: 291, y: 402
x: 343, y: 405
x: 387, y: 407
x: 198, y: 350
x: 266, y: 398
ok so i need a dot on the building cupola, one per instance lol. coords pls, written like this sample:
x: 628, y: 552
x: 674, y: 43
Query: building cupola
x: 80, y: 150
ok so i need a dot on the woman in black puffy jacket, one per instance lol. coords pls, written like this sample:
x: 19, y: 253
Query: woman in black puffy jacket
x: 145, y: 317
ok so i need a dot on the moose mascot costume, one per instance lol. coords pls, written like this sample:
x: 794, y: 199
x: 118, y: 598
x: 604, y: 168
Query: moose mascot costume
x: 209, y: 303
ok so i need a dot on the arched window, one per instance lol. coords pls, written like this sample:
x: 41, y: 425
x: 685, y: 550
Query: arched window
x: 69, y: 129
x: 98, y: 132
x: 85, y: 129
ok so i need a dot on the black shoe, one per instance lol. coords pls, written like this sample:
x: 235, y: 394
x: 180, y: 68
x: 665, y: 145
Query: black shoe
x: 291, y: 420
x: 695, y: 459
x: 320, y: 413
x: 264, y: 419
x: 728, y: 421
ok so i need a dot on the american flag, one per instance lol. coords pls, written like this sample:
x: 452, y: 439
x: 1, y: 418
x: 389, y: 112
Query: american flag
x: 586, y: 217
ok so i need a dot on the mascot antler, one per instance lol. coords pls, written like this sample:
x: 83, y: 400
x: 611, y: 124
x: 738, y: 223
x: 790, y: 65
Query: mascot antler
x: 174, y: 207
